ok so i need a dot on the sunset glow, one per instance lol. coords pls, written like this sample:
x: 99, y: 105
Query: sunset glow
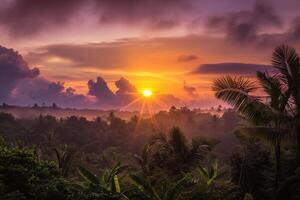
x: 123, y: 47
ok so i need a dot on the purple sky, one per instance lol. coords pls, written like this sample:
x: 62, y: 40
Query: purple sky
x: 103, y: 53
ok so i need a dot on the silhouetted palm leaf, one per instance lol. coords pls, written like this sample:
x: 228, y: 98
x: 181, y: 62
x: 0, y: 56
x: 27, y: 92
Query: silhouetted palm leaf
x: 235, y: 91
x: 286, y: 60
x: 267, y: 134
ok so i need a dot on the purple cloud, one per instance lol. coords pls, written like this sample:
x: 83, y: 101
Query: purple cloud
x: 231, y: 68
x: 13, y: 69
x: 26, y: 18
x: 244, y: 26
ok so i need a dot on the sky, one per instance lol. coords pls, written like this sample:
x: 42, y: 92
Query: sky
x: 104, y: 53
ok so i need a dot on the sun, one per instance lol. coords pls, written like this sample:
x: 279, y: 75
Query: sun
x: 147, y: 93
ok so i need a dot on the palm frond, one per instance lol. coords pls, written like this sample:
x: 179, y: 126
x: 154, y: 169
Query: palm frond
x: 272, y: 87
x: 178, y: 141
x: 286, y: 60
x: 235, y: 91
x: 269, y: 135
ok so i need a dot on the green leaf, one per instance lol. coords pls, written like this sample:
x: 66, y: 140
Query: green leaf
x: 88, y: 176
x: 144, y: 186
x: 116, y: 185
x: 174, y: 193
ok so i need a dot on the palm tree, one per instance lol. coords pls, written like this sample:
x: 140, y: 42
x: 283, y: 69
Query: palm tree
x: 286, y: 61
x: 175, y: 151
x: 162, y: 192
x: 144, y: 160
x: 269, y: 115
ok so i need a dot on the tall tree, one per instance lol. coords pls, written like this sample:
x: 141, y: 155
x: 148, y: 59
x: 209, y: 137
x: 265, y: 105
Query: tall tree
x: 286, y: 62
x: 269, y: 115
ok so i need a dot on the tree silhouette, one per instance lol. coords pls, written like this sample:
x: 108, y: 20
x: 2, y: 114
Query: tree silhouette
x: 269, y: 116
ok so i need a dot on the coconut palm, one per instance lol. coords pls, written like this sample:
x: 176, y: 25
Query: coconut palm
x: 176, y: 153
x: 286, y: 61
x: 268, y: 116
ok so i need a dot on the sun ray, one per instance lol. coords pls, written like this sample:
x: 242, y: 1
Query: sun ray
x: 160, y: 103
x: 131, y: 103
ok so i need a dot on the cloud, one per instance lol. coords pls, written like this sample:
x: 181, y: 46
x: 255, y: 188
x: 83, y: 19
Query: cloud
x: 13, y: 69
x: 190, y: 90
x: 105, y: 97
x: 136, y: 54
x: 245, y: 26
x: 231, y: 68
x: 22, y: 85
x: 125, y: 87
x: 98, y: 55
x: 187, y: 58
x: 39, y: 90
x: 101, y: 91
x: 23, y: 18
x: 27, y: 18
x: 142, y: 11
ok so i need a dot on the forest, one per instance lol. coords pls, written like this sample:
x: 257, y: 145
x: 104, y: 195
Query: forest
x: 250, y: 151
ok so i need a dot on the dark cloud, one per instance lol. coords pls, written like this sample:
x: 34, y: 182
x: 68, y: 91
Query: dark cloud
x: 21, y: 85
x: 190, y: 90
x: 187, y: 58
x: 39, y: 90
x: 126, y: 92
x: 140, y: 11
x: 244, y: 26
x: 125, y: 87
x: 231, y: 68
x: 13, y: 69
x: 101, y: 91
x: 105, y: 97
x: 26, y: 18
